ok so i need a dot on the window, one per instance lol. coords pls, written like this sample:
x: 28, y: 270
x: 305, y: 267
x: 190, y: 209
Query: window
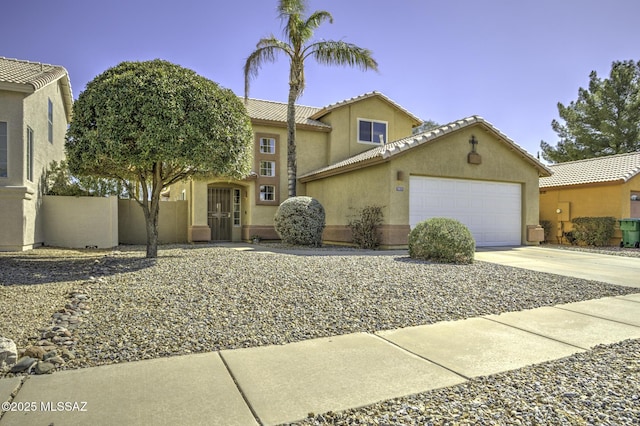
x: 370, y: 131
x: 268, y: 168
x: 50, y: 119
x: 30, y: 154
x: 267, y: 146
x: 236, y: 207
x: 267, y: 193
x: 3, y: 149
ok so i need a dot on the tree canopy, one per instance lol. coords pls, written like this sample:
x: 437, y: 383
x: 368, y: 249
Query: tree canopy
x: 604, y: 120
x: 150, y: 124
x: 298, y: 46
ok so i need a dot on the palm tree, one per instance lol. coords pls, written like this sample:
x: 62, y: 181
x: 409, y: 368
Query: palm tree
x: 298, y: 31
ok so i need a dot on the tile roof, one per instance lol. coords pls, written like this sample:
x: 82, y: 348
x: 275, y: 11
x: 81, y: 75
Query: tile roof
x: 277, y: 112
x: 382, y: 153
x: 26, y: 76
x: 612, y: 168
x: 324, y: 111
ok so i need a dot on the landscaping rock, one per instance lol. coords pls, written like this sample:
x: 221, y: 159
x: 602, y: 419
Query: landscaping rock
x: 8, y: 351
x: 24, y: 364
x: 43, y: 367
x: 35, y: 352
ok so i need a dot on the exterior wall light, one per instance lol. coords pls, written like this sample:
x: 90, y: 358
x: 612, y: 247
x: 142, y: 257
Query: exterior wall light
x: 558, y: 211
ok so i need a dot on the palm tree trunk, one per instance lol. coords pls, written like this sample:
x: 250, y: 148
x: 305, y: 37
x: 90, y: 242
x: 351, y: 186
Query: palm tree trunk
x: 292, y: 166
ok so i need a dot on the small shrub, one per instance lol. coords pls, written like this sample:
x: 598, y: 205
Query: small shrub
x: 300, y: 221
x: 594, y: 231
x: 546, y: 225
x: 364, y: 228
x: 442, y: 240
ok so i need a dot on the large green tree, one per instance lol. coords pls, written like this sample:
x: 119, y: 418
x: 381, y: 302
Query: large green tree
x: 150, y: 124
x: 604, y: 120
x: 297, y: 46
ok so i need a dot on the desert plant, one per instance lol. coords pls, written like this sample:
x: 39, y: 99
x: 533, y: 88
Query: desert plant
x: 364, y: 227
x: 300, y: 221
x: 547, y: 226
x: 594, y: 231
x: 442, y: 240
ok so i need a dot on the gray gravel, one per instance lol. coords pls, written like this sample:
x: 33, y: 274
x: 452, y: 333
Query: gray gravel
x: 200, y: 298
x: 599, y: 387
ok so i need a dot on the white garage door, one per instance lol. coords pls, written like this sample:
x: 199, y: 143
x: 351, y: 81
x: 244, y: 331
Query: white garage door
x: 491, y: 210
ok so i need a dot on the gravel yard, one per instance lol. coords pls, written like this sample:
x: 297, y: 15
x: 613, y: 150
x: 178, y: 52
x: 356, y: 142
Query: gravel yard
x: 200, y: 298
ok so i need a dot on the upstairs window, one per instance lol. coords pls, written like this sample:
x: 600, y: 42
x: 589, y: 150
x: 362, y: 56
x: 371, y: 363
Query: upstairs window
x: 30, y: 154
x: 267, y: 193
x: 50, y: 120
x: 267, y: 146
x: 268, y: 168
x: 372, y: 131
x: 4, y: 166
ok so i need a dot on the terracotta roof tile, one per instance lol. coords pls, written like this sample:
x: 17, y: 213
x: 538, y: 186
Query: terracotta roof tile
x: 612, y: 168
x: 277, y: 111
x: 394, y: 148
x: 33, y: 76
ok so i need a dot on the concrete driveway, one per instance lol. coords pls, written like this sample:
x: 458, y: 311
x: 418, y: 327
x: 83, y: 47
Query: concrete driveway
x: 591, y: 266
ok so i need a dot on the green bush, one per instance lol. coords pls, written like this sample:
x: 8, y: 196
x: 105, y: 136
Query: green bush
x: 300, y: 221
x: 442, y: 240
x: 546, y: 225
x: 594, y: 231
x: 364, y: 228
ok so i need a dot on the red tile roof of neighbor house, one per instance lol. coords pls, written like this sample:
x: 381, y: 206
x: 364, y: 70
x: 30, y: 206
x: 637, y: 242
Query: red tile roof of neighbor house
x: 384, y: 152
x: 612, y: 168
x: 27, y: 77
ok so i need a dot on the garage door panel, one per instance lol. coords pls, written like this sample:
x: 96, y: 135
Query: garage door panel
x: 491, y: 210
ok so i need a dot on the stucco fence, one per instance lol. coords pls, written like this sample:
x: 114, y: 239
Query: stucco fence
x: 88, y: 222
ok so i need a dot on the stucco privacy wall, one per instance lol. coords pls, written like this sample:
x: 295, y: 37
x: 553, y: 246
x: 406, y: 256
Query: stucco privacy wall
x: 80, y: 222
x: 443, y: 157
x: 172, y: 222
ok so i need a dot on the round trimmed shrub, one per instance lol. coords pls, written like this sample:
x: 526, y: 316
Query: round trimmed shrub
x: 442, y: 240
x: 300, y: 221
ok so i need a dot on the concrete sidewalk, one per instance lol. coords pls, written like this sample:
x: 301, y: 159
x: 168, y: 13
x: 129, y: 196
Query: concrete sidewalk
x: 611, y: 269
x: 275, y: 384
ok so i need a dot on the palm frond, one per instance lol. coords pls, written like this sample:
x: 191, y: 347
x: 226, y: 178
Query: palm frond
x: 317, y: 18
x: 291, y: 7
x: 341, y: 53
x: 266, y: 51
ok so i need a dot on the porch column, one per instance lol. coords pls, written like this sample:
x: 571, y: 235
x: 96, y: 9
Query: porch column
x: 199, y: 229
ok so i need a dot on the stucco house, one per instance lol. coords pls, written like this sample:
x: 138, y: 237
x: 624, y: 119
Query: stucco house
x: 361, y: 152
x: 596, y: 187
x: 35, y: 108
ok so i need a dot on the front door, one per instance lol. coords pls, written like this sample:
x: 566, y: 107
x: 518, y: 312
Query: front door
x: 219, y: 213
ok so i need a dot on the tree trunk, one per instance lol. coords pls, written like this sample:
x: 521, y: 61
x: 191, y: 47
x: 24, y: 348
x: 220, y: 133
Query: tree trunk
x: 152, y: 235
x: 292, y: 166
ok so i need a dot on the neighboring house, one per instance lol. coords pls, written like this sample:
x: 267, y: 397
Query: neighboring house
x: 361, y: 152
x: 35, y: 109
x: 596, y: 187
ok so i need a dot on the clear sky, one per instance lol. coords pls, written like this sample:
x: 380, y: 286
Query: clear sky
x: 509, y: 61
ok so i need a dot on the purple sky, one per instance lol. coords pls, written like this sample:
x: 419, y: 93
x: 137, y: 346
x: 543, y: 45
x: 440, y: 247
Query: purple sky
x: 508, y: 61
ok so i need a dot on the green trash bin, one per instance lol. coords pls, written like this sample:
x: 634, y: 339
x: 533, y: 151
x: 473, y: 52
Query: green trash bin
x: 630, y: 232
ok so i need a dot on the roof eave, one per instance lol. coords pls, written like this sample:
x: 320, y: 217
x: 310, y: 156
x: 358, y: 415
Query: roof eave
x: 275, y: 123
x: 345, y: 169
x: 17, y: 87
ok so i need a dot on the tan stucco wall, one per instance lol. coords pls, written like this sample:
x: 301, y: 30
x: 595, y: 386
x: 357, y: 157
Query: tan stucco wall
x: 612, y: 199
x: 446, y: 157
x: 20, y: 110
x: 79, y: 222
x: 344, y: 123
x: 172, y: 222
